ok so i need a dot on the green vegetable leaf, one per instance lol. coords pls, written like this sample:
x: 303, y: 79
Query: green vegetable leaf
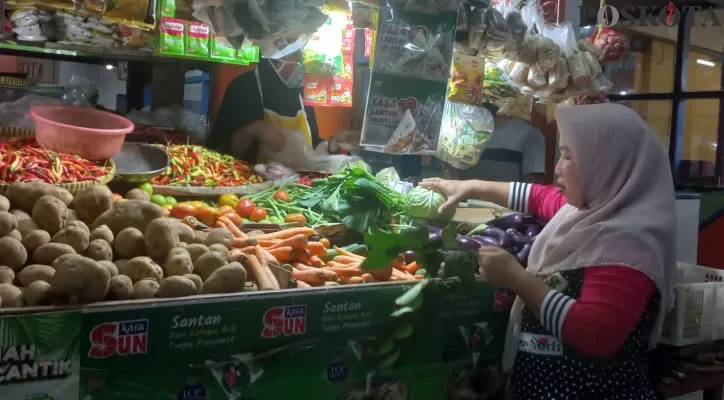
x: 449, y: 233
x: 385, y: 246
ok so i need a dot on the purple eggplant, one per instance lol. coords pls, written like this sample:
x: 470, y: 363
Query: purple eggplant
x: 486, y: 240
x: 532, y: 230
x: 519, y: 239
x: 504, y: 240
x: 522, y: 255
x: 466, y: 242
x: 409, y: 256
x: 435, y: 233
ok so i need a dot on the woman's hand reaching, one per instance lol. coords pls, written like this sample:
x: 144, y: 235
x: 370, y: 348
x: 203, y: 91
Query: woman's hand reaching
x: 499, y: 267
x: 455, y: 191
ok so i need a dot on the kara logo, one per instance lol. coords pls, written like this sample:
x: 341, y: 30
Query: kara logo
x: 122, y: 338
x: 409, y: 103
x: 540, y: 344
x: 287, y: 321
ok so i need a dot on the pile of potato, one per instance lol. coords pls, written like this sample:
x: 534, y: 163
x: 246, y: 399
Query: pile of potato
x: 60, y: 249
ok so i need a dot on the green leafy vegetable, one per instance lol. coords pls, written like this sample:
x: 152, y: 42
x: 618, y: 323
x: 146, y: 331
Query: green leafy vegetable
x: 353, y: 197
x: 423, y: 203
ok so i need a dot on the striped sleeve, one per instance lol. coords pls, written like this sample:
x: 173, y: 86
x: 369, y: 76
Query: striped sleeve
x: 553, y: 311
x: 518, y: 196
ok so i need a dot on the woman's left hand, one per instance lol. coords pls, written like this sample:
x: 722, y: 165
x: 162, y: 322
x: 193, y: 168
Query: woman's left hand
x: 499, y: 267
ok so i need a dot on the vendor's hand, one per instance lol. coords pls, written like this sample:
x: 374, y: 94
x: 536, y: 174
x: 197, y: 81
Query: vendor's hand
x: 268, y: 133
x: 499, y: 267
x: 455, y: 191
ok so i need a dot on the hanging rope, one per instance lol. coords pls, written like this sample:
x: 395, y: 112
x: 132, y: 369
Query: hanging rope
x: 600, y: 26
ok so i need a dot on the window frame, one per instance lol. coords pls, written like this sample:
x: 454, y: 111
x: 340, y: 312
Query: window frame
x: 678, y: 98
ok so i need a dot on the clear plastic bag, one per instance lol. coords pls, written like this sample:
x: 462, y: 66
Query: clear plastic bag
x: 464, y: 131
x: 414, y: 44
x: 497, y: 30
x: 80, y: 92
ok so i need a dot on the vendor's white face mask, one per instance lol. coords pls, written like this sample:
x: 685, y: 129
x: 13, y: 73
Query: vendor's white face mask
x: 289, y: 70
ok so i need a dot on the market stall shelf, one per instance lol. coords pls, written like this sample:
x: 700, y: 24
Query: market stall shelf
x: 55, y: 50
x: 223, y: 345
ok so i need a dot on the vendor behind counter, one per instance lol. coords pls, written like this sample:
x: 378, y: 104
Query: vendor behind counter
x: 259, y: 105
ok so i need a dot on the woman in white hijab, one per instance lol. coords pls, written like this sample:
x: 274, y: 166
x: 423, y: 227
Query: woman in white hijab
x: 599, y: 280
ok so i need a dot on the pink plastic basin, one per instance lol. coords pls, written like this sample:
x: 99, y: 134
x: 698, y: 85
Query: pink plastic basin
x: 87, y: 132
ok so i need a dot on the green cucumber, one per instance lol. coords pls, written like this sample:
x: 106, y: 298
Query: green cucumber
x: 404, y: 332
x: 411, y: 295
x: 390, y: 359
x: 402, y: 311
x: 386, y: 347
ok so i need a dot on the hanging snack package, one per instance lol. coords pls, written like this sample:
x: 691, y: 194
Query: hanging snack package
x: 197, y: 39
x: 464, y: 131
x: 137, y: 13
x: 322, y: 54
x: 221, y: 49
x: 547, y: 53
x: 248, y: 53
x: 171, y: 36
x: 466, y: 79
x: 559, y: 76
x: 415, y: 43
x: 497, y: 84
x: 386, y: 123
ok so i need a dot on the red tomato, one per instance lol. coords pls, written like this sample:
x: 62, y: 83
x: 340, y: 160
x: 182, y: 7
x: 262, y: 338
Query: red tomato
x: 282, y: 195
x: 258, y: 214
x: 234, y: 217
x: 182, y: 210
x: 226, y: 209
x: 245, y: 208
x: 207, y: 215
x: 296, y: 218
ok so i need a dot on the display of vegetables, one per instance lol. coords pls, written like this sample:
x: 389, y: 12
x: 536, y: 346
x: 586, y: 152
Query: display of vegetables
x: 280, y: 205
x: 197, y: 166
x: 24, y: 160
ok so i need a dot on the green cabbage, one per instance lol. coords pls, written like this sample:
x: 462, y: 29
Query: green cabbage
x: 423, y: 203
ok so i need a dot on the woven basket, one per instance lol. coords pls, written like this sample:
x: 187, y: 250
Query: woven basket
x: 10, y: 132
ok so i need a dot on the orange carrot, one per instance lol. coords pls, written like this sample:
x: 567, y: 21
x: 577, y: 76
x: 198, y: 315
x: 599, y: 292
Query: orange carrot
x: 346, y: 272
x: 353, y: 280
x: 296, y: 241
x: 240, y: 243
x: 344, y: 252
x: 399, y: 263
x: 219, y: 224
x: 248, y: 249
x: 303, y: 285
x: 302, y: 267
x: 412, y: 267
x: 264, y: 280
x: 303, y: 256
x: 282, y: 254
x: 331, y: 284
x: 325, y: 242
x: 267, y: 261
x: 315, y: 276
x: 401, y: 275
x: 230, y: 225
x: 345, y: 260
x: 316, y: 248
x: 267, y: 243
x: 335, y: 264
x: 286, y: 233
x: 368, y: 278
x: 316, y: 262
